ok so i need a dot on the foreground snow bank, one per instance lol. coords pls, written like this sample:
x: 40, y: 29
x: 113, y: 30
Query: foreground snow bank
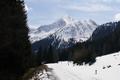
x: 106, y: 68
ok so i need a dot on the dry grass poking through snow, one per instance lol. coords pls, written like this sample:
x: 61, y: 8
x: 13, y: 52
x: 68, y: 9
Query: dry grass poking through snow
x: 35, y: 73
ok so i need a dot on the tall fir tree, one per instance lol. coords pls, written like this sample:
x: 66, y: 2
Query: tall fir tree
x: 15, y: 48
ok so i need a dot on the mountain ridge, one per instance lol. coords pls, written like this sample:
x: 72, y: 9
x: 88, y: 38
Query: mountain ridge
x: 62, y: 28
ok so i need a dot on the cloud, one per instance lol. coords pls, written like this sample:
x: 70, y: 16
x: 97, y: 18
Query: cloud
x: 117, y: 1
x: 104, y: 1
x: 39, y: 1
x: 89, y: 7
x: 27, y: 8
x: 117, y: 17
x: 33, y: 26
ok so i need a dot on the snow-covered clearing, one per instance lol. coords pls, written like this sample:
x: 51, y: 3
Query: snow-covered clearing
x: 106, y: 68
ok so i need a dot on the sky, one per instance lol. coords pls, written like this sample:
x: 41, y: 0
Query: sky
x: 43, y: 12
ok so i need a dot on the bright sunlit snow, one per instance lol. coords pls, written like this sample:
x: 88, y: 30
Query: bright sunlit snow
x: 106, y: 68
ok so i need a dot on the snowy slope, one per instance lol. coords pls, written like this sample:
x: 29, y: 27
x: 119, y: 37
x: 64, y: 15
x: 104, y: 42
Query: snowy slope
x: 64, y: 29
x: 106, y: 68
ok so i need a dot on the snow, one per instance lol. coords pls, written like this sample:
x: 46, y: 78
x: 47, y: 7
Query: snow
x: 106, y: 68
x: 38, y: 36
x: 68, y: 20
x: 80, y: 31
x: 64, y: 29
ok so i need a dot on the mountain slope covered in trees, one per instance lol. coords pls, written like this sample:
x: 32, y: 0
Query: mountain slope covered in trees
x: 104, y: 40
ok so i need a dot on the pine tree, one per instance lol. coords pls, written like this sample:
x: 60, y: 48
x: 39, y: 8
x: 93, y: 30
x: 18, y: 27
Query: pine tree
x: 40, y: 56
x: 50, y: 55
x: 15, y: 49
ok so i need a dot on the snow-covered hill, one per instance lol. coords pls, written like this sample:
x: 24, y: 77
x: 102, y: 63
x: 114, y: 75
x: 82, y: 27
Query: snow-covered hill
x: 65, y: 29
x: 106, y: 68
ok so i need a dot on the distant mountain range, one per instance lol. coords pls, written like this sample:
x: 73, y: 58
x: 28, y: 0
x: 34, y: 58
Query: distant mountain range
x: 77, y: 40
x: 63, y: 32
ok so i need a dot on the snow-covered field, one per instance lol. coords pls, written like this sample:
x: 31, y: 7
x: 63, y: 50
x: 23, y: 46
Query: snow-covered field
x: 106, y: 68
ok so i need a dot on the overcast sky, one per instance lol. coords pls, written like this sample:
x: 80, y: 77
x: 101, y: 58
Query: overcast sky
x: 41, y: 12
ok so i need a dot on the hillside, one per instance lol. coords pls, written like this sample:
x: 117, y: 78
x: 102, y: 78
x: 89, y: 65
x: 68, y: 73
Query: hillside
x: 106, y: 68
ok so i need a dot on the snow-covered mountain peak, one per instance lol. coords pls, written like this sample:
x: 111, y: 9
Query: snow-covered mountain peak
x: 68, y: 20
x: 79, y: 31
x: 65, y: 29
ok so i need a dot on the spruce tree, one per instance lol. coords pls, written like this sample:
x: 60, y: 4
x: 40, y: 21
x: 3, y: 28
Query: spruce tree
x: 15, y: 49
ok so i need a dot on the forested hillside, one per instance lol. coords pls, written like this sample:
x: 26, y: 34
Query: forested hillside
x: 104, y: 40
